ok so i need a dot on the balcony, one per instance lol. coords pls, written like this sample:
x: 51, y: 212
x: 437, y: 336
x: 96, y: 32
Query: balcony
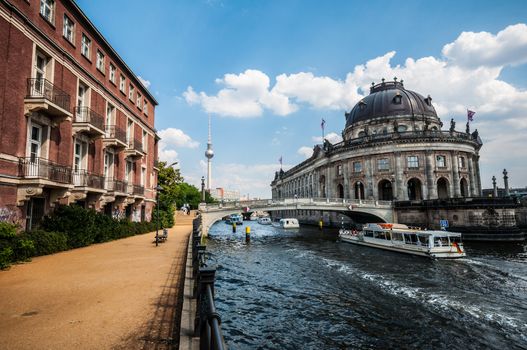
x: 42, y: 169
x: 114, y: 136
x: 84, y: 179
x: 118, y: 187
x: 135, y: 149
x: 43, y: 96
x: 89, y: 122
x: 139, y: 192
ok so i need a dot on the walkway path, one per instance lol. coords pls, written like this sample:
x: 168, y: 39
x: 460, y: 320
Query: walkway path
x: 124, y: 294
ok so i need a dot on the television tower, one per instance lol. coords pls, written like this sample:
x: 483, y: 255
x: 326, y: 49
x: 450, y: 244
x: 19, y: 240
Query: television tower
x: 209, y: 153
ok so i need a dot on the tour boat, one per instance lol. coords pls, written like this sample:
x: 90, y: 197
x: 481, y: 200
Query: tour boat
x: 287, y: 223
x: 234, y: 219
x: 264, y: 220
x: 401, y: 238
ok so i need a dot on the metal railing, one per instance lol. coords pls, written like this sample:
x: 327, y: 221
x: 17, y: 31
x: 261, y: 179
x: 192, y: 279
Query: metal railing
x: 40, y: 168
x: 207, y: 324
x: 114, y: 185
x: 88, y: 115
x: 114, y: 132
x: 43, y: 88
x: 139, y: 190
x: 135, y: 144
x: 82, y: 178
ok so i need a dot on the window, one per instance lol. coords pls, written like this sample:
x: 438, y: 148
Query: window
x: 67, y: 29
x: 129, y: 172
x: 383, y: 164
x: 47, y: 9
x: 441, y: 161
x: 100, y: 61
x: 112, y: 73
x: 110, y: 115
x: 462, y: 162
x: 122, y: 83
x: 145, y: 107
x: 397, y: 99
x: 413, y: 162
x: 357, y: 167
x: 85, y: 46
x: 35, y: 142
x: 339, y: 169
x: 402, y: 128
x: 143, y: 176
x: 138, y: 100
x: 145, y: 141
x: 131, y: 93
x: 129, y: 132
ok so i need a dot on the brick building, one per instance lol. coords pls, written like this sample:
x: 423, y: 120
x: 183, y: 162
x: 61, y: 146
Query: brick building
x: 76, y: 124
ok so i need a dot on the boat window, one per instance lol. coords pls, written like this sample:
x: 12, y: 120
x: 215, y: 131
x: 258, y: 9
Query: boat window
x: 454, y: 239
x: 397, y: 236
x: 441, y: 242
x: 410, y: 238
x: 422, y: 240
x: 368, y: 233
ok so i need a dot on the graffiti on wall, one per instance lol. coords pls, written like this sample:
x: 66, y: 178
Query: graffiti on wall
x: 118, y: 214
x: 9, y: 215
x: 136, y: 215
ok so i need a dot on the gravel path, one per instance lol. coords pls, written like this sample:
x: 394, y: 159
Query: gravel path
x: 124, y: 294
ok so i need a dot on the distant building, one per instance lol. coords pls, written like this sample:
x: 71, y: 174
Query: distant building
x: 393, y: 148
x: 221, y: 194
x: 514, y: 192
x: 77, y: 125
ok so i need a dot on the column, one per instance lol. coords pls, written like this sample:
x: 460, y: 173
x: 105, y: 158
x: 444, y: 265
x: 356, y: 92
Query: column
x: 478, y: 178
x: 345, y: 173
x: 494, y: 187
x: 506, y: 182
x: 432, y: 190
x: 329, y: 180
x: 400, y: 184
x: 368, y: 185
x: 455, y: 174
x: 472, y: 177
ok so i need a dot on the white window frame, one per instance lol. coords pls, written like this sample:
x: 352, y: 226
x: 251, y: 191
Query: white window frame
x: 145, y: 107
x: 110, y: 117
x: 131, y: 92
x: 413, y: 162
x: 112, y: 72
x: 85, y: 46
x: 144, y: 140
x: 122, y: 83
x: 129, y: 172
x: 461, y: 162
x: 129, y: 131
x: 68, y: 29
x: 99, y: 63
x: 143, y: 176
x: 357, y: 165
x: 45, y: 6
x: 383, y: 164
x: 138, y: 100
x: 441, y: 161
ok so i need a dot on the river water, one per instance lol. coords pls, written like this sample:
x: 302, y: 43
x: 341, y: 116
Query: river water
x: 304, y: 289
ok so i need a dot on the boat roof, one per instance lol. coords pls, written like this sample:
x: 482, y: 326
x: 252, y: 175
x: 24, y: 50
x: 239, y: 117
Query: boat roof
x: 405, y: 229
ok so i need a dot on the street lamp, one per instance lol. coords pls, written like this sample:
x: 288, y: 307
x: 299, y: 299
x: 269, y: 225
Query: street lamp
x: 158, y: 189
x: 171, y: 165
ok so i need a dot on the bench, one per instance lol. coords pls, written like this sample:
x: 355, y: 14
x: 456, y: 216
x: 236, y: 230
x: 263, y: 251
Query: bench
x: 162, y: 237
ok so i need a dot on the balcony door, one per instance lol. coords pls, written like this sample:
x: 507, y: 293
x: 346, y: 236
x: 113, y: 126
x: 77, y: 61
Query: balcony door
x: 108, y: 170
x: 35, y: 150
x: 82, y: 101
x: 129, y: 176
x: 41, y: 63
x: 79, y: 163
x: 110, y: 112
x: 129, y: 132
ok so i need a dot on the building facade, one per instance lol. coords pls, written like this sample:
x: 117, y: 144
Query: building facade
x: 76, y: 124
x: 393, y: 148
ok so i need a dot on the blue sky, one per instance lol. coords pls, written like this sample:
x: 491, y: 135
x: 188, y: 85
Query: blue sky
x: 268, y: 71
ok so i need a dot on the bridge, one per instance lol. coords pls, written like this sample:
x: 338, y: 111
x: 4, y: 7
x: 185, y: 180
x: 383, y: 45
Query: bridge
x: 356, y: 209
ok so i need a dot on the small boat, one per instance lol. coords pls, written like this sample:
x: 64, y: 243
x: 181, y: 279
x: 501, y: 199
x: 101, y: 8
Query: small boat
x: 264, y: 220
x: 287, y: 223
x: 403, y: 239
x: 234, y: 219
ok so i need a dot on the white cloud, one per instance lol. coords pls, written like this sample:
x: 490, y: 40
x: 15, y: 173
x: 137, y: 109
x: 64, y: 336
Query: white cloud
x: 145, y: 82
x: 305, y: 151
x: 508, y: 47
x: 244, y: 95
x: 168, y: 155
x: 176, y: 138
x: 331, y: 137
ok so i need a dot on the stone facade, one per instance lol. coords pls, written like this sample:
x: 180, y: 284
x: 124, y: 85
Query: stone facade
x: 76, y: 124
x: 393, y: 148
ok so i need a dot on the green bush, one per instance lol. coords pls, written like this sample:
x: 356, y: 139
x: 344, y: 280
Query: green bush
x: 23, y: 248
x: 6, y: 257
x: 8, y: 234
x: 48, y: 242
x: 76, y: 222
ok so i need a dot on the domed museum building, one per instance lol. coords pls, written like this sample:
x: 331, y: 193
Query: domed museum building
x: 393, y: 148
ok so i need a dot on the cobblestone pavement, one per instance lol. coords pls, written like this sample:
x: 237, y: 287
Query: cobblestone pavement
x: 124, y: 294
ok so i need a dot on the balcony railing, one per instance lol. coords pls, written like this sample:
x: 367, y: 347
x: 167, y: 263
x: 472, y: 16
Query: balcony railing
x: 139, y: 190
x: 82, y: 178
x: 42, y: 88
x: 39, y: 168
x: 136, y: 145
x: 114, y: 132
x: 88, y: 115
x: 114, y: 185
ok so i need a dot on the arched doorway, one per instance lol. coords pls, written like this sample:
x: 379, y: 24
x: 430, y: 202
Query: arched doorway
x: 442, y: 188
x: 359, y: 190
x: 385, y: 190
x: 415, y: 189
x: 463, y: 187
x: 340, y: 191
x: 322, y: 187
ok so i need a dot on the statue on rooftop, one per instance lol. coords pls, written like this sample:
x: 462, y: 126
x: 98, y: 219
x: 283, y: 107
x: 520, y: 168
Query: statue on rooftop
x: 452, y: 125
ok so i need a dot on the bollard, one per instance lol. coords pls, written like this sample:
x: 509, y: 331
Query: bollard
x: 320, y: 224
x: 233, y: 227
x: 247, y: 233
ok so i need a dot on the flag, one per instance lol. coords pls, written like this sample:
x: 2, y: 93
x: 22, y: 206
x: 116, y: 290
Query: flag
x: 322, y: 123
x: 470, y: 115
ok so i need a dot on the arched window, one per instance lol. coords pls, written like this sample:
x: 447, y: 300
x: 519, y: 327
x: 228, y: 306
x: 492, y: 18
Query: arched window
x: 340, y: 191
x: 415, y: 189
x: 385, y: 190
x: 397, y: 99
x: 463, y: 187
x: 402, y: 128
x: 359, y: 190
x: 442, y: 188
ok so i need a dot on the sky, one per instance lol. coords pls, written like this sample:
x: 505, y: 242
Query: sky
x: 267, y: 72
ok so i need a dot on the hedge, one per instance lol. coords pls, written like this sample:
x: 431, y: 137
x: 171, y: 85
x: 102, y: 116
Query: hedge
x: 68, y: 227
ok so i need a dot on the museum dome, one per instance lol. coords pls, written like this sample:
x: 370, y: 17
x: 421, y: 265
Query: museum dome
x: 389, y: 99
